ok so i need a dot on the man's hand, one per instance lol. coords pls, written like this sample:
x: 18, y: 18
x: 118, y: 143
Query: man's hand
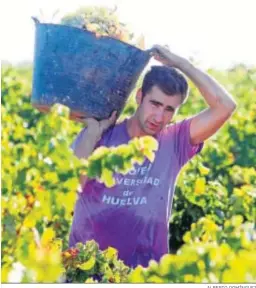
x: 166, y: 57
x: 98, y: 127
x: 92, y: 135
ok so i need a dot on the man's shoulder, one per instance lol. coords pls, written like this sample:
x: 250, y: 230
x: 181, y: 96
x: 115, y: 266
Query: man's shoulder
x: 118, y: 130
x: 174, y: 124
x: 176, y: 127
x: 118, y: 125
x: 178, y: 123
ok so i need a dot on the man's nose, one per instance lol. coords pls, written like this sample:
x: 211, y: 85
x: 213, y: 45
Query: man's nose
x: 159, y: 116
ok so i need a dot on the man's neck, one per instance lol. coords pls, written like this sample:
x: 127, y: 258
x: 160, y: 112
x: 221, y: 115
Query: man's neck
x: 133, y: 127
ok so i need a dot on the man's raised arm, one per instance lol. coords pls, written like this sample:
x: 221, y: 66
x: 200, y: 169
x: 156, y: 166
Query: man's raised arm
x: 221, y: 104
x: 88, y: 139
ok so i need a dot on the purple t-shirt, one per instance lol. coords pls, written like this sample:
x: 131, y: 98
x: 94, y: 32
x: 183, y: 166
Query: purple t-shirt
x: 133, y: 215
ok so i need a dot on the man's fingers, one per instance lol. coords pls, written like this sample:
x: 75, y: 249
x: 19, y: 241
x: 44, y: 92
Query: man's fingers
x: 104, y: 124
x: 113, y: 117
x: 161, y: 50
x: 155, y: 47
x: 157, y: 57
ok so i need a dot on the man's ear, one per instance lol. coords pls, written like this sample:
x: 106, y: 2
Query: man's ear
x: 139, y: 96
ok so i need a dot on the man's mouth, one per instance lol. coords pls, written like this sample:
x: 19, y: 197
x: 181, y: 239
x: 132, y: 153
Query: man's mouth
x: 153, y: 126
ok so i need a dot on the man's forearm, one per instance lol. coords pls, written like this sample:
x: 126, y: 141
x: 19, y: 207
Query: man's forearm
x: 214, y: 94
x: 87, y: 144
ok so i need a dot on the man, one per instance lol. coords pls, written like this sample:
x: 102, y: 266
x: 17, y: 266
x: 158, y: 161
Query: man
x: 133, y: 215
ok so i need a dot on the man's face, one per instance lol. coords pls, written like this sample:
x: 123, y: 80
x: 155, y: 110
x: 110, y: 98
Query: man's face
x: 156, y: 110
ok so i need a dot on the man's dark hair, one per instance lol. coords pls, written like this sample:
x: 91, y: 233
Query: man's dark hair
x: 167, y: 79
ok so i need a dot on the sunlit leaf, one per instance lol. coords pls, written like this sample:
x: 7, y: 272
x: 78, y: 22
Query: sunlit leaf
x: 200, y: 186
x: 88, y: 264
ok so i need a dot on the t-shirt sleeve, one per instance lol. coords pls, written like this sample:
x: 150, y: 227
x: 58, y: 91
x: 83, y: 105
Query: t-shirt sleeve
x: 183, y: 147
